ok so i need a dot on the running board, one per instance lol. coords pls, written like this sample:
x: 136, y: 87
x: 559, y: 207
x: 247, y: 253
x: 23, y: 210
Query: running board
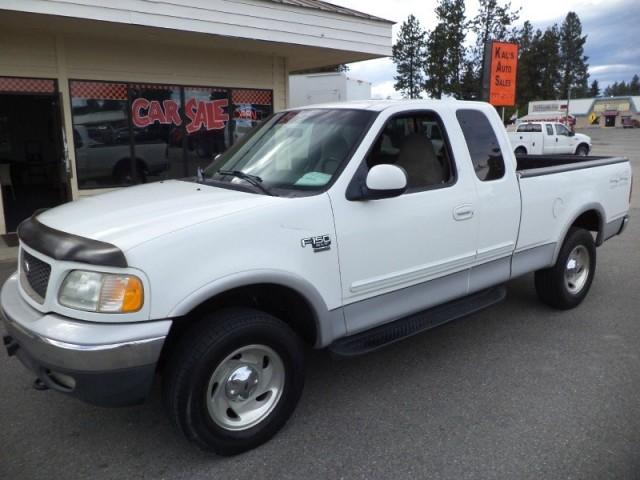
x: 389, y: 333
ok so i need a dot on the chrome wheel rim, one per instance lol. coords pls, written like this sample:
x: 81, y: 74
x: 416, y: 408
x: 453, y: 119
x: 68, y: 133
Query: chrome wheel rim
x: 245, y: 387
x: 577, y: 268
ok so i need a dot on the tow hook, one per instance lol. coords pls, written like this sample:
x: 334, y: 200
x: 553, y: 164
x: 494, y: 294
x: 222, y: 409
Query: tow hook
x: 11, y: 345
x: 40, y: 385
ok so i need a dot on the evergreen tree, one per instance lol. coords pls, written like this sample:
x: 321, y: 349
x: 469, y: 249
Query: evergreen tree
x: 468, y: 84
x: 435, y: 65
x: 573, y: 62
x: 594, y: 90
x: 548, y: 61
x: 409, y: 57
x: 445, y: 50
x: 527, y: 70
x: 634, y: 86
x: 493, y: 22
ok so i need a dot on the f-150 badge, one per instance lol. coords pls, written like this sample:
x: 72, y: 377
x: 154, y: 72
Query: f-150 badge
x: 319, y: 243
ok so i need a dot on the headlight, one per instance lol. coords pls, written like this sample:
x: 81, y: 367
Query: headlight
x: 101, y: 292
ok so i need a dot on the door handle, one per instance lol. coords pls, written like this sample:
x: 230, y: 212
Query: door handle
x: 463, y: 212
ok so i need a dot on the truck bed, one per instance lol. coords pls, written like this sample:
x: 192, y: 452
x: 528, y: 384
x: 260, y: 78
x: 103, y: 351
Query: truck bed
x: 535, y: 165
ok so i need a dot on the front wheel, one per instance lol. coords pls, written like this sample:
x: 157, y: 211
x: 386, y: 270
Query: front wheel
x: 566, y: 284
x: 582, y: 151
x: 234, y: 380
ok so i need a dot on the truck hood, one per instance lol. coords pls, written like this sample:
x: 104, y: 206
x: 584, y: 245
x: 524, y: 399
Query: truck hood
x: 580, y: 137
x: 130, y: 216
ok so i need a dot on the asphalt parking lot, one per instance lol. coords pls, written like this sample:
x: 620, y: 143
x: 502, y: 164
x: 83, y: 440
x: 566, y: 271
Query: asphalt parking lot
x: 516, y: 391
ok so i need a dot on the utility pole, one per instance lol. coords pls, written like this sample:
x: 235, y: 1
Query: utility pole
x: 566, y: 121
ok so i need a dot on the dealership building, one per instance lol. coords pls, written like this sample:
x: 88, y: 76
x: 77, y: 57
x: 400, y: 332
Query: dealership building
x: 99, y: 95
x: 598, y: 112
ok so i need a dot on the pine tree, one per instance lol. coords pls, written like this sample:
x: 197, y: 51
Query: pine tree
x: 445, y: 50
x: 435, y: 65
x: 527, y: 70
x: 409, y: 57
x: 634, y: 85
x: 573, y: 62
x: 548, y: 61
x: 493, y: 22
x: 594, y: 90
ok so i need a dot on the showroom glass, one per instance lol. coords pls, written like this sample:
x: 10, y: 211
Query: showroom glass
x: 126, y: 133
x: 101, y: 133
x: 207, y: 131
x: 296, y: 151
x: 416, y: 143
x: 482, y: 144
x: 156, y: 125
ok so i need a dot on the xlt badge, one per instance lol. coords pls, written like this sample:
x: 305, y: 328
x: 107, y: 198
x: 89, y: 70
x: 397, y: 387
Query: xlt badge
x: 319, y: 243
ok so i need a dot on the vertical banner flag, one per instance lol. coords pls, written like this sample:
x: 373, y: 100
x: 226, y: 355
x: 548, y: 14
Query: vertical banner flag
x: 500, y: 70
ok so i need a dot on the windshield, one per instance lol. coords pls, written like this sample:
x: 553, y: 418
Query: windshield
x: 293, y: 152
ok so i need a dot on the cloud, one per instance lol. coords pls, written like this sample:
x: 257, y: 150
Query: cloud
x: 611, y: 26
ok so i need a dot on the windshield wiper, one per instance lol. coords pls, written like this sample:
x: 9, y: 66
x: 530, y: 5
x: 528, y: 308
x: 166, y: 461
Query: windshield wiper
x: 254, y: 180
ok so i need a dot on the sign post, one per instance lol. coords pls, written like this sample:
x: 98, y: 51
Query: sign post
x: 500, y: 70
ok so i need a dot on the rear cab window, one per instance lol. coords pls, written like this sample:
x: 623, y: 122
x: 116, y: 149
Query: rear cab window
x: 483, y: 145
x: 549, y: 130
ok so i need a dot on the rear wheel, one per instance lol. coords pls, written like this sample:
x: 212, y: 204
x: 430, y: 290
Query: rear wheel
x: 520, y: 151
x: 567, y: 283
x: 234, y: 380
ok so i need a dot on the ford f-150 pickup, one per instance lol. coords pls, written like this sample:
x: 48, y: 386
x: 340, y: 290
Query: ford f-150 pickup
x: 346, y: 226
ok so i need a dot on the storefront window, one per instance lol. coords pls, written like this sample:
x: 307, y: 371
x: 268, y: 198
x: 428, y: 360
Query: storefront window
x: 156, y: 123
x: 250, y: 108
x: 137, y: 133
x: 101, y: 134
x: 206, y: 127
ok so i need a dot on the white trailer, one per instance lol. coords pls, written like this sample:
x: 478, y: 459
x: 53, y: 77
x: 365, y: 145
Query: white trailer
x: 330, y: 87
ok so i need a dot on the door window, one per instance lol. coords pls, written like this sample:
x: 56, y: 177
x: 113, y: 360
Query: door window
x: 562, y: 130
x: 550, y: 130
x: 417, y: 144
x: 482, y: 143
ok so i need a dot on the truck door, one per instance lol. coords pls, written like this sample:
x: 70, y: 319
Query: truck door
x: 498, y: 205
x: 405, y: 254
x: 550, y: 142
x: 563, y: 140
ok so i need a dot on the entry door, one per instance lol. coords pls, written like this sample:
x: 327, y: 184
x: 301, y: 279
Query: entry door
x: 420, y: 243
x: 32, y: 170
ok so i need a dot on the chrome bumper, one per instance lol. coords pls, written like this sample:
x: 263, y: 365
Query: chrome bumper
x: 105, y: 364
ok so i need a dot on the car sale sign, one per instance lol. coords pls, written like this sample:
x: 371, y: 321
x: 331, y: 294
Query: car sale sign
x: 501, y: 68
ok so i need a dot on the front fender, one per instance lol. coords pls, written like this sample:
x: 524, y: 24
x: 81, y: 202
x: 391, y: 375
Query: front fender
x: 330, y: 324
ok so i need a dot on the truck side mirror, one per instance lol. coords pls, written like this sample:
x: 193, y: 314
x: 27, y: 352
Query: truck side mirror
x: 572, y: 134
x: 385, y: 181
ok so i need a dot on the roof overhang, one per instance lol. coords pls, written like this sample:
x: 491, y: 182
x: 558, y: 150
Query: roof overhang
x: 307, y: 37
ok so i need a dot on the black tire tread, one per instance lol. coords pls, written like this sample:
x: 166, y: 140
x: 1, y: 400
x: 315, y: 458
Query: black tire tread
x: 207, y: 333
x: 549, y: 282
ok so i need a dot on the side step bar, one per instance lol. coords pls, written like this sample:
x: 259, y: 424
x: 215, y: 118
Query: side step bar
x: 389, y: 333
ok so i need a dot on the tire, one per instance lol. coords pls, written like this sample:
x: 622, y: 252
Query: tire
x: 566, y: 284
x: 520, y: 151
x: 231, y: 361
x: 582, y: 150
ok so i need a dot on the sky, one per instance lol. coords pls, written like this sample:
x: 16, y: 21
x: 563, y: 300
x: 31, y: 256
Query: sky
x: 612, y: 28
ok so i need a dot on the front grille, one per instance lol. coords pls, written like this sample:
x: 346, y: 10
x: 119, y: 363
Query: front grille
x: 34, y: 276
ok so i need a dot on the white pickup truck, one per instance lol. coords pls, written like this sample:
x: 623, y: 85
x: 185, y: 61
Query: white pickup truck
x: 548, y: 138
x: 338, y: 226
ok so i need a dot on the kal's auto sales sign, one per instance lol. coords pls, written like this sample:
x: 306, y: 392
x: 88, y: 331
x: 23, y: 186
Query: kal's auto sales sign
x: 207, y: 114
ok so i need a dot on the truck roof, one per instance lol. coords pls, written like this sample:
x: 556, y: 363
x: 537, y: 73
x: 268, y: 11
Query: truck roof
x: 380, y: 105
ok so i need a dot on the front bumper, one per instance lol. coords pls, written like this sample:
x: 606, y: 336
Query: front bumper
x: 103, y: 364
